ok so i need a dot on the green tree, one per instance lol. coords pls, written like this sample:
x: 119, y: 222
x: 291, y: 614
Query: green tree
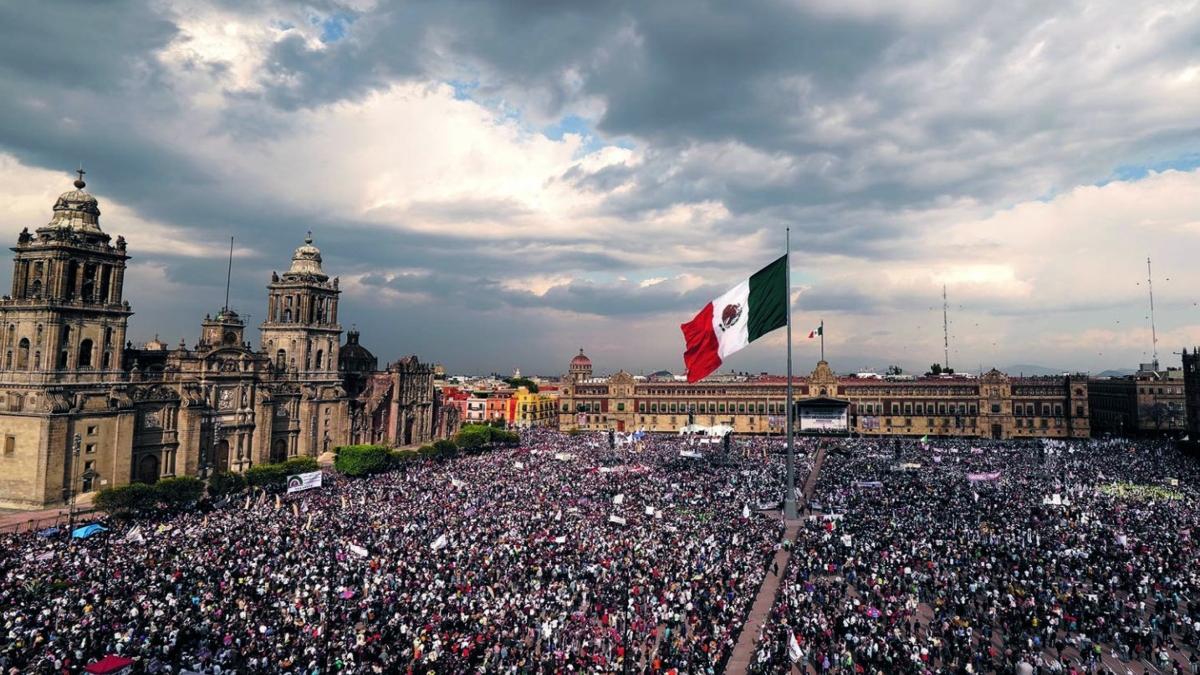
x: 473, y: 438
x: 935, y: 369
x: 226, y: 483
x: 179, y: 493
x: 128, y: 501
x: 529, y: 384
x: 363, y: 460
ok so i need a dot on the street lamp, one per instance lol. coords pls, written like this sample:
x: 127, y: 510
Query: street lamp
x: 77, y: 442
x: 204, y: 452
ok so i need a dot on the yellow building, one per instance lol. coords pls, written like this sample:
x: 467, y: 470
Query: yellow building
x: 535, y: 409
x: 993, y: 406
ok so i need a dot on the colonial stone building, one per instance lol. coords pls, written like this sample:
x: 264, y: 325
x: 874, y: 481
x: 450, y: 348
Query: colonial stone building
x: 1148, y: 403
x: 1191, y: 388
x: 993, y: 406
x: 81, y: 409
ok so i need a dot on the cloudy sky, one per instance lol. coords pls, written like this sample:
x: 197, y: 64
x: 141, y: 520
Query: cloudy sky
x: 500, y: 183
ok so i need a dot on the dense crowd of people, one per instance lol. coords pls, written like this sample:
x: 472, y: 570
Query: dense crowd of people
x: 1007, y: 557
x: 562, y: 555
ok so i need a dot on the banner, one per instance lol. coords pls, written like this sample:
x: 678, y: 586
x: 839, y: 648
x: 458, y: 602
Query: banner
x: 87, y: 531
x: 984, y: 476
x: 616, y: 519
x: 359, y: 550
x: 303, y: 481
x: 874, y: 484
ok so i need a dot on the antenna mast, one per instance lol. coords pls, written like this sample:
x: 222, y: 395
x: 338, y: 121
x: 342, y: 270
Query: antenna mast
x: 228, y: 274
x: 945, y: 328
x: 1153, y: 328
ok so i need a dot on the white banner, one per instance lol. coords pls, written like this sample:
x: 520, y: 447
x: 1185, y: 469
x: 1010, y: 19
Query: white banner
x: 303, y: 481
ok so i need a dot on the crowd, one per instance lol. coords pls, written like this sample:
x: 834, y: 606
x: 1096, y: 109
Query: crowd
x: 562, y: 555
x: 1007, y: 557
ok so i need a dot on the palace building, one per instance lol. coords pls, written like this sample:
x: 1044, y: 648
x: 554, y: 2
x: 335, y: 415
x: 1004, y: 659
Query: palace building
x: 993, y: 406
x: 81, y: 409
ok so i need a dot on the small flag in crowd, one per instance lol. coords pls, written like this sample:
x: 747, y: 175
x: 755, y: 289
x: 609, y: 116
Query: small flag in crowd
x: 794, y: 652
x: 619, y: 499
x: 561, y: 539
x: 743, y: 314
x: 135, y: 536
x: 439, y: 543
x: 745, y: 510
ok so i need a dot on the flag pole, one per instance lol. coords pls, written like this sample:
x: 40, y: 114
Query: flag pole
x: 822, y: 339
x: 789, y: 498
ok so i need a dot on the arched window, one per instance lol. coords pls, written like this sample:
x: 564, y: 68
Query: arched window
x: 281, y: 359
x: 85, y: 354
x: 37, y: 360
x: 105, y: 273
x: 107, y: 361
x: 72, y: 276
x: 320, y: 364
x: 230, y: 338
x: 89, y: 282
x: 8, y: 360
x: 23, y: 354
x: 35, y: 289
x: 287, y: 315
x: 64, y: 343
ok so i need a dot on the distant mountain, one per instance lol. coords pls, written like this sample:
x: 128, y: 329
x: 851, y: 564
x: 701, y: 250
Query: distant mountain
x: 1119, y: 372
x: 1028, y: 369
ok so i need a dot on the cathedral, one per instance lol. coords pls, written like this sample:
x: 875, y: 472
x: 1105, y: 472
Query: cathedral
x: 82, y: 409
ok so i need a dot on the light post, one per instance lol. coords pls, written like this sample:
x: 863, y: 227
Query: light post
x: 77, y: 442
x: 204, y: 452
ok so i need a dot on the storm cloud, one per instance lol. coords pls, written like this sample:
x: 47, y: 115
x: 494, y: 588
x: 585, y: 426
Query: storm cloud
x: 573, y: 169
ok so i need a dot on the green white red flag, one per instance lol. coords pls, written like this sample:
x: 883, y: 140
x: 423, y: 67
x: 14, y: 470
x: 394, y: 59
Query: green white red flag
x: 738, y: 317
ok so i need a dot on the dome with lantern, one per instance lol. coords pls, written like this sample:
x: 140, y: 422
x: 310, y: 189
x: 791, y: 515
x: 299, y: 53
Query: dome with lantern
x: 306, y: 261
x: 75, y: 211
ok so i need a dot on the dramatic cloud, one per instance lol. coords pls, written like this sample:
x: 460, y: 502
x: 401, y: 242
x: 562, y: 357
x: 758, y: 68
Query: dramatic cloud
x: 500, y: 183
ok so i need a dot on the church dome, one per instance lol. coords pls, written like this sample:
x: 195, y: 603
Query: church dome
x: 306, y: 260
x: 581, y: 361
x: 76, y: 210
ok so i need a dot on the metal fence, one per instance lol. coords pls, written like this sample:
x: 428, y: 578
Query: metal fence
x: 60, y: 520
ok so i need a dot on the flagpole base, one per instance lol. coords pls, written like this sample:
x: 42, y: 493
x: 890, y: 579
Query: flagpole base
x: 789, y: 509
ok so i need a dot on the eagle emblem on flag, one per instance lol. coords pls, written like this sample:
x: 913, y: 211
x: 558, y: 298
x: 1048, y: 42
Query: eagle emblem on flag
x: 730, y: 316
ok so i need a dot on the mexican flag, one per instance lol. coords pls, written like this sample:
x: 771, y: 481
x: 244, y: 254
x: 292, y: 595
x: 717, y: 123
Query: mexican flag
x: 818, y: 331
x: 740, y: 316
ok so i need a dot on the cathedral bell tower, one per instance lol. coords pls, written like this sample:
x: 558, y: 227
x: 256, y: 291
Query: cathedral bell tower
x: 66, y: 316
x: 301, y: 333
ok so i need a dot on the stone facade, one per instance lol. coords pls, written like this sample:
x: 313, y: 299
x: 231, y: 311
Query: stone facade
x: 993, y: 406
x: 1147, y: 403
x: 396, y: 407
x: 79, y: 411
x: 1191, y: 388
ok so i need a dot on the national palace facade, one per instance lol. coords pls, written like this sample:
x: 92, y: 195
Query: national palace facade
x: 992, y: 406
x: 81, y: 408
